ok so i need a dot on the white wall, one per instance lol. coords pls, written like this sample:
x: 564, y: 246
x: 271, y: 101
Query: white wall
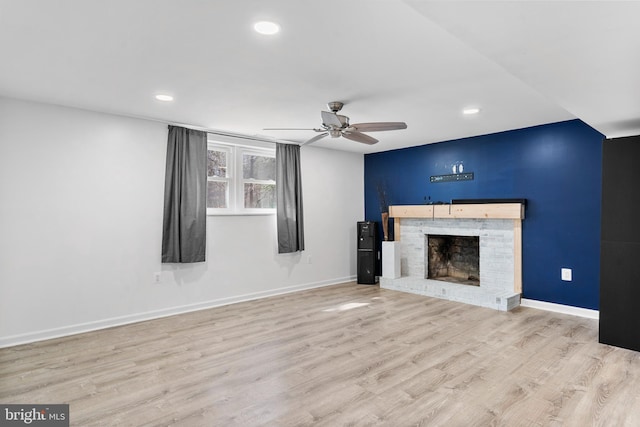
x: 80, y: 227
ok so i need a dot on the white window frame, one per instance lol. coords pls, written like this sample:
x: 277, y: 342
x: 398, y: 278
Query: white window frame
x: 240, y: 152
x: 235, y: 179
x: 228, y: 179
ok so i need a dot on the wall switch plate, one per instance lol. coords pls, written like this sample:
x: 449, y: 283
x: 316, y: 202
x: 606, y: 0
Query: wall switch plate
x: 565, y: 274
x: 157, y: 277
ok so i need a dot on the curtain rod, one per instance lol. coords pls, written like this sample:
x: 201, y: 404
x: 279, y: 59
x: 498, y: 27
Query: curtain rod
x: 223, y: 133
x: 210, y: 130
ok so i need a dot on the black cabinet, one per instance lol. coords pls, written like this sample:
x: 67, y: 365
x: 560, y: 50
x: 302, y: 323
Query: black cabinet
x: 620, y: 244
x: 367, y: 250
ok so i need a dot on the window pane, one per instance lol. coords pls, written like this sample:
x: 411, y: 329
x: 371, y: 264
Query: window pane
x: 217, y: 194
x: 258, y: 167
x: 259, y: 196
x: 217, y: 163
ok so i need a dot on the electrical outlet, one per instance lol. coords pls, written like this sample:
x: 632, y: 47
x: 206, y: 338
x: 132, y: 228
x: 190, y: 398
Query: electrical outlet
x: 157, y: 277
x: 565, y: 274
x: 308, y: 259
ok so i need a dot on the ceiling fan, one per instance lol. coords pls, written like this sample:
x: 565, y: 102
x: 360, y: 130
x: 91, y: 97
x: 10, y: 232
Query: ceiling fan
x: 336, y: 125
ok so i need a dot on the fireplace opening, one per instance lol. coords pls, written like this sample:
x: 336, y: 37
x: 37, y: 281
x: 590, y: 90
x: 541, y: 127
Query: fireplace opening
x: 453, y: 259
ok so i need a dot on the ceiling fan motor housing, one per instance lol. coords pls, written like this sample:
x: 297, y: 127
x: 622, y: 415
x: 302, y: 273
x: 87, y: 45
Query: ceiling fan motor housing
x: 335, y: 106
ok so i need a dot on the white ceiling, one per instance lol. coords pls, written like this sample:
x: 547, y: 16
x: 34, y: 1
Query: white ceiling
x: 523, y: 63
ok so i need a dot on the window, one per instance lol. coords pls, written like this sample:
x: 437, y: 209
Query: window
x: 259, y: 180
x: 218, y: 177
x: 240, y: 179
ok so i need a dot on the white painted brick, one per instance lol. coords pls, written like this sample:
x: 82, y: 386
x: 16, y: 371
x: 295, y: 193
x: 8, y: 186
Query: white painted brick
x: 496, y: 261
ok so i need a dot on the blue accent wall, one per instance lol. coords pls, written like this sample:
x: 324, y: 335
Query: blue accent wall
x: 556, y: 167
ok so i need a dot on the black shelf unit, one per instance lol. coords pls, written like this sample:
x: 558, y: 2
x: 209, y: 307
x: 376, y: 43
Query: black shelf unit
x: 620, y: 244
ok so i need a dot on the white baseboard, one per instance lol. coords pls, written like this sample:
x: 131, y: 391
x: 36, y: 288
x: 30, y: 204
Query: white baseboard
x: 64, y: 331
x: 560, y: 308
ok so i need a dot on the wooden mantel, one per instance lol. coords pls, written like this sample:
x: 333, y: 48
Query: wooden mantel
x: 513, y: 211
x: 481, y: 211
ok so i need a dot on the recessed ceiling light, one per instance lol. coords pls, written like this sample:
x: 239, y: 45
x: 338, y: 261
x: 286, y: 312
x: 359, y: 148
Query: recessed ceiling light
x: 266, y: 27
x: 165, y: 98
x: 470, y: 111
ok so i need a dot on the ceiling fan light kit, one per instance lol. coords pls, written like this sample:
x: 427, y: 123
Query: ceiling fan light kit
x: 337, y: 125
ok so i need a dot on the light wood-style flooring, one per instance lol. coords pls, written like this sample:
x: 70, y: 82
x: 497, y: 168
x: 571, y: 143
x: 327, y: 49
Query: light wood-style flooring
x: 334, y: 356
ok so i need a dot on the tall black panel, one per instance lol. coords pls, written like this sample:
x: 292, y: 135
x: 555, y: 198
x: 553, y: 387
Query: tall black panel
x: 367, y: 238
x: 620, y: 244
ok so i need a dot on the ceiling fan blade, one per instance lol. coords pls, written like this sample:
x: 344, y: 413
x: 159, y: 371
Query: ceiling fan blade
x: 317, y: 130
x: 330, y: 119
x: 378, y: 126
x: 359, y: 137
x: 315, y: 138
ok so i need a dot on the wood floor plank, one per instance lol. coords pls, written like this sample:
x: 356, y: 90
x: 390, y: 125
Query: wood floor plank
x: 341, y: 355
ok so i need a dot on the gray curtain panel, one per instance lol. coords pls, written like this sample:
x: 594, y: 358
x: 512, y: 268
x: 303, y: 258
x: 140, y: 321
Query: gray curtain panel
x: 185, y: 197
x: 289, y: 197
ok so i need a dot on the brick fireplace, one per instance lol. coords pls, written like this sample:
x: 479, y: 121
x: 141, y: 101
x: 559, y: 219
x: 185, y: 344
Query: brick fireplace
x: 497, y: 228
